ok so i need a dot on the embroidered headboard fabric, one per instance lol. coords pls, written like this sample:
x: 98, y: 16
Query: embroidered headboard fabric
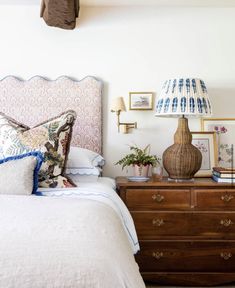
x: 38, y: 99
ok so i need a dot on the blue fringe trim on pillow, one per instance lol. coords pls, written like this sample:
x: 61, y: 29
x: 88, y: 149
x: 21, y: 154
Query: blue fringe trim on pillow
x: 38, y: 155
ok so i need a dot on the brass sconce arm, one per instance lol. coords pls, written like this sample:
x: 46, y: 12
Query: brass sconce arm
x: 126, y: 125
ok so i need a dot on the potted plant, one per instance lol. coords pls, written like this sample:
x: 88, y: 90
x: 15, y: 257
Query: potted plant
x: 140, y: 159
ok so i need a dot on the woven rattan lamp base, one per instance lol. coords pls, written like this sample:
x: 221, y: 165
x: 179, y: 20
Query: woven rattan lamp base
x: 182, y: 160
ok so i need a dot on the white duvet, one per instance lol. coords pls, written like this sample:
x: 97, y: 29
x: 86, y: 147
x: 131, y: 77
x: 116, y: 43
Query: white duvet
x: 80, y: 238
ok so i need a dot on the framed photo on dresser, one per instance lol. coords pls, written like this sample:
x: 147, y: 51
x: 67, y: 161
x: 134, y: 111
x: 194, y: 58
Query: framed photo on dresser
x: 225, y: 138
x: 206, y: 143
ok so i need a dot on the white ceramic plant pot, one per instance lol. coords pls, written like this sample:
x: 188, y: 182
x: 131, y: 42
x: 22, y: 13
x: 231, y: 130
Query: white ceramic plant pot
x: 141, y: 170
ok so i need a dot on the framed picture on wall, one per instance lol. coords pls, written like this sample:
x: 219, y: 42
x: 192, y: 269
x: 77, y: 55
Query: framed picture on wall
x: 225, y: 138
x: 141, y: 100
x: 206, y: 143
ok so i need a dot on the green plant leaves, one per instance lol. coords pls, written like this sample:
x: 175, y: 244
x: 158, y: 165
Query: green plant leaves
x: 139, y: 157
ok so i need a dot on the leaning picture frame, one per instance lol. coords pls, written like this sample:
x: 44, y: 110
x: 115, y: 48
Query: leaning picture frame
x: 141, y: 101
x: 225, y: 138
x: 206, y: 143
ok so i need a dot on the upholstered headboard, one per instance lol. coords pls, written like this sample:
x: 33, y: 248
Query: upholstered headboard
x: 38, y: 99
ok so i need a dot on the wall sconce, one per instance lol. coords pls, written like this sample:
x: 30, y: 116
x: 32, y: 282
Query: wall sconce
x: 118, y: 106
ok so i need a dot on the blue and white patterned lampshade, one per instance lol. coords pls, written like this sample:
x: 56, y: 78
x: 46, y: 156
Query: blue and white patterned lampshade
x: 184, y: 96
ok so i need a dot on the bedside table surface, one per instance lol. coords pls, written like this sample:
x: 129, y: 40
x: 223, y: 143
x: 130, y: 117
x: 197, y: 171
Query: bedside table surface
x: 196, y: 182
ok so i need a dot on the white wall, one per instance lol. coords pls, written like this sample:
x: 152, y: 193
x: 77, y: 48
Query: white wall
x: 130, y: 49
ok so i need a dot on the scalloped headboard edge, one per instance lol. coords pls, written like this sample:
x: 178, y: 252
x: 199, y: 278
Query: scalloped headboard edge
x: 37, y: 99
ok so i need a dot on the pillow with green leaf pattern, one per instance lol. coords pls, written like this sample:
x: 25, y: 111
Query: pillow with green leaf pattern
x: 51, y: 138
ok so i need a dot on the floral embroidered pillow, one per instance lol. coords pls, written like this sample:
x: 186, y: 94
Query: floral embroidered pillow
x: 51, y: 137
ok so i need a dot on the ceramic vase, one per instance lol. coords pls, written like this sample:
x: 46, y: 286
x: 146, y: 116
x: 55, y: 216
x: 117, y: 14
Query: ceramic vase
x: 141, y: 170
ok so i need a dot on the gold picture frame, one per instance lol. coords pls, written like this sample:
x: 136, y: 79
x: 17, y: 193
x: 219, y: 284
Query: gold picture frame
x: 206, y: 143
x: 141, y: 100
x: 204, y: 120
x: 225, y: 131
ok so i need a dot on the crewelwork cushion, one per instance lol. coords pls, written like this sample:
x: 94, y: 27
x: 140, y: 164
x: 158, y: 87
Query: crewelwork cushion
x: 52, y: 138
x: 19, y: 174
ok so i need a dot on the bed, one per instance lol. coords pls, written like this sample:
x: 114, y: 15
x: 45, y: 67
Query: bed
x: 65, y: 237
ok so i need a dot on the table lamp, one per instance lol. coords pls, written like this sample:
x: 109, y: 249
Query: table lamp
x: 180, y: 98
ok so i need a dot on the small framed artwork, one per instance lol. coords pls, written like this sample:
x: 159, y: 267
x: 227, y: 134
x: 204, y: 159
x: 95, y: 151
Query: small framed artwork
x: 206, y: 143
x: 141, y: 100
x: 224, y: 129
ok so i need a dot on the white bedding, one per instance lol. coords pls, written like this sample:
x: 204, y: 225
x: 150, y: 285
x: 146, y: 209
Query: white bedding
x: 69, y: 242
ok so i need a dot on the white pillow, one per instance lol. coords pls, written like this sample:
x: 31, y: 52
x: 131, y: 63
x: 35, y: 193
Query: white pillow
x: 84, y: 162
x: 83, y: 178
x: 19, y: 174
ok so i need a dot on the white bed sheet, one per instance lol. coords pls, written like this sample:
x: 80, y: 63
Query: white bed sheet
x: 67, y: 242
x: 104, y: 191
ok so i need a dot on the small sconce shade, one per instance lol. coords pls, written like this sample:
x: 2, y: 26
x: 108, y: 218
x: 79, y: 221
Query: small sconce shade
x: 118, y: 104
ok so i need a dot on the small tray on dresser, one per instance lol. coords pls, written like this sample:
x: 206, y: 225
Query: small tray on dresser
x: 138, y: 179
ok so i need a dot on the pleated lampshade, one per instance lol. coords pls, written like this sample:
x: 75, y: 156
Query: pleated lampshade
x: 183, y: 97
x: 187, y: 97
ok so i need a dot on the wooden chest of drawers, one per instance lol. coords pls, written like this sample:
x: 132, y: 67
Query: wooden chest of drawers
x: 186, y: 230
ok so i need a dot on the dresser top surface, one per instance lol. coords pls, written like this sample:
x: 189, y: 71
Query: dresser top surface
x: 196, y: 182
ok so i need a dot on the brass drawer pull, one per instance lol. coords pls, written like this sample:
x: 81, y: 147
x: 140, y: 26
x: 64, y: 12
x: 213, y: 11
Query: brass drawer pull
x: 157, y: 255
x: 226, y: 222
x: 158, y: 222
x: 226, y: 255
x: 158, y: 198
x: 227, y: 198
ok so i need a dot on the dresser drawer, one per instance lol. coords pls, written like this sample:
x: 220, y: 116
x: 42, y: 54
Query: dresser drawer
x: 152, y: 225
x: 186, y: 256
x: 186, y: 230
x: 152, y: 199
x: 212, y: 199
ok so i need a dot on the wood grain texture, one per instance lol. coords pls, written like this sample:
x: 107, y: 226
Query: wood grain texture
x: 190, y: 279
x: 164, y: 256
x: 161, y: 225
x: 151, y: 199
x: 186, y: 230
x: 215, y: 199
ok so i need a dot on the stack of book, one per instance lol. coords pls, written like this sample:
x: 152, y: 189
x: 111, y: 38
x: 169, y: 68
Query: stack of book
x: 223, y: 175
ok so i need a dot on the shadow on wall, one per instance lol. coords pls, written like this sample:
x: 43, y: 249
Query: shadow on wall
x: 105, y: 111
x: 223, y: 102
x: 88, y: 16
x: 112, y: 15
